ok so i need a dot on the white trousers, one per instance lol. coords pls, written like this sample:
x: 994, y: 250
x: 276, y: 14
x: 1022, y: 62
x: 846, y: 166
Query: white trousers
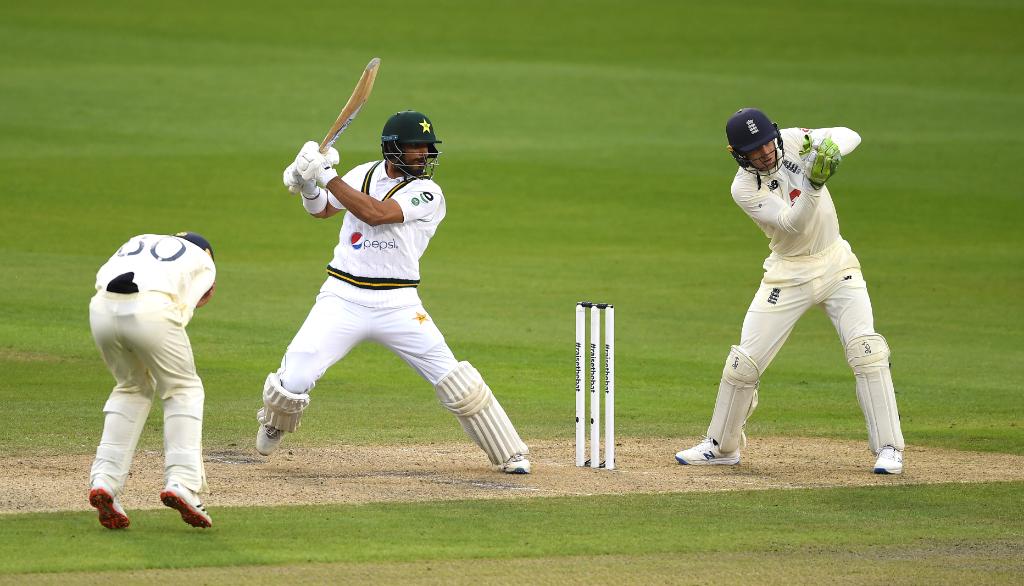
x: 335, y: 325
x: 149, y: 354
x: 832, y: 280
x: 775, y: 309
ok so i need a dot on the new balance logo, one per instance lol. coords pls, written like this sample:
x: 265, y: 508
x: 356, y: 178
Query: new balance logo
x: 773, y: 298
x: 708, y: 456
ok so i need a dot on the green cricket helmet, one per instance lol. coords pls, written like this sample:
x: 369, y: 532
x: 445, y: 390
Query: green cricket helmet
x: 409, y: 127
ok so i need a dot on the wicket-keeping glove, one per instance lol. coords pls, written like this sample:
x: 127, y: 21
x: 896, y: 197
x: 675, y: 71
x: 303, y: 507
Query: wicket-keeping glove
x: 807, y: 147
x: 822, y: 159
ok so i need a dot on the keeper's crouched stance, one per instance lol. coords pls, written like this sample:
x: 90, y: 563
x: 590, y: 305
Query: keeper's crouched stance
x: 394, y: 208
x: 781, y: 186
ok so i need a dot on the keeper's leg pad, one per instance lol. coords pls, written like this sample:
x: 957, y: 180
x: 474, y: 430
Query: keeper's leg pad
x: 281, y: 408
x: 467, y: 396
x: 737, y: 399
x: 868, y: 356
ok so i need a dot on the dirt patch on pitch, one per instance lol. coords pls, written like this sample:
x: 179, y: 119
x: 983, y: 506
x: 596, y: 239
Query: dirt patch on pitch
x: 432, y: 472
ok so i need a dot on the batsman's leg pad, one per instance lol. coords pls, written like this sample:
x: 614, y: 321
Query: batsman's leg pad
x: 467, y: 396
x: 868, y: 356
x: 737, y: 399
x: 281, y: 408
x: 183, y: 439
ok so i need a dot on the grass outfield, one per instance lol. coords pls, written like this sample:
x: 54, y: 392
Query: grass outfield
x: 979, y: 524
x: 583, y: 158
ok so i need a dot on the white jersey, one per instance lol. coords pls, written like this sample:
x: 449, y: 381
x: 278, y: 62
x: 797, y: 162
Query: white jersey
x: 167, y: 264
x: 801, y: 221
x: 379, y: 266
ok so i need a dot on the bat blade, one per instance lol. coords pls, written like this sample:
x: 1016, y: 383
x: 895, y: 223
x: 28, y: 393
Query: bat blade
x: 355, y: 103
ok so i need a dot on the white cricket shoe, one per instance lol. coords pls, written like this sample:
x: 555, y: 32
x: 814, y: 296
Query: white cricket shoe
x: 112, y: 515
x: 890, y: 461
x: 187, y: 503
x: 706, y: 453
x: 517, y: 464
x: 268, y: 438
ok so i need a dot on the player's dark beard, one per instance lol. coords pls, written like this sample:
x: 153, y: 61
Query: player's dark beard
x: 415, y: 165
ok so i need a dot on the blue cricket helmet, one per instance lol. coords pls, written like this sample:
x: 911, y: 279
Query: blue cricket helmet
x: 747, y: 130
x: 198, y: 240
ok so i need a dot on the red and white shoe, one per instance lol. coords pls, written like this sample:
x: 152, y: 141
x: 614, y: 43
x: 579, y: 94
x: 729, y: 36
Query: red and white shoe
x: 112, y: 515
x: 187, y: 503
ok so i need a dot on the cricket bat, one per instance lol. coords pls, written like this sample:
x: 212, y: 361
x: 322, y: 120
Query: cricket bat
x: 359, y: 96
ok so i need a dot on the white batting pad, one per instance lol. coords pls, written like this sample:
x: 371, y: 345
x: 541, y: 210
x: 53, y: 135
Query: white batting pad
x: 281, y: 409
x: 467, y: 396
x: 869, y: 357
x: 737, y: 399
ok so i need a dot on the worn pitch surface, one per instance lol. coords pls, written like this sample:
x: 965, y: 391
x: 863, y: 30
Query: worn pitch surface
x: 409, y: 473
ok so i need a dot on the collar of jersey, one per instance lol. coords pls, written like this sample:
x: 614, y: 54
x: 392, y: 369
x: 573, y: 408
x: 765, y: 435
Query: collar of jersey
x: 385, y: 178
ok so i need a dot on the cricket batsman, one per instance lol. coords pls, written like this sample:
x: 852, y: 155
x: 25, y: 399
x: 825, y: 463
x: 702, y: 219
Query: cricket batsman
x: 781, y: 185
x: 394, y: 208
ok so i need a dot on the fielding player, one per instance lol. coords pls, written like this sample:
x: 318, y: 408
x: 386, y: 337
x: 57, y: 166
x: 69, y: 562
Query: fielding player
x: 781, y: 186
x: 145, y: 296
x: 394, y: 208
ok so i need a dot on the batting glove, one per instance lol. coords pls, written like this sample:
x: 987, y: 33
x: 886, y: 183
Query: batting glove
x: 312, y: 165
x: 333, y: 156
x: 291, y: 178
x: 309, y: 189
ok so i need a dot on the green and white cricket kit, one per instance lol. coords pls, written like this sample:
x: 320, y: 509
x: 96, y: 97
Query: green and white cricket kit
x: 379, y: 266
x: 810, y: 265
x: 146, y: 295
x: 371, y: 287
x: 371, y: 294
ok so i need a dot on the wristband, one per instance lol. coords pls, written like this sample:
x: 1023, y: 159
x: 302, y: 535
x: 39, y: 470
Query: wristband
x: 316, y: 204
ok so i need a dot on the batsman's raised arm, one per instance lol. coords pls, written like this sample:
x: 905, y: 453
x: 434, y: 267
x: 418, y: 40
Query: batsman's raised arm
x: 364, y: 207
x: 311, y: 168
